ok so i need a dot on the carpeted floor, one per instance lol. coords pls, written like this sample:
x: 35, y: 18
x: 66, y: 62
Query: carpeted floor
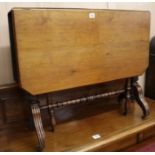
x: 146, y: 146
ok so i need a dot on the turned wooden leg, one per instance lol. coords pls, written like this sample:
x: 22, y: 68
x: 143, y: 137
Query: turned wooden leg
x: 125, y: 98
x: 139, y: 97
x: 38, y: 126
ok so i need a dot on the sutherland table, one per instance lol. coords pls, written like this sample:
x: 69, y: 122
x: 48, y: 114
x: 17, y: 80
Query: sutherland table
x: 61, y: 49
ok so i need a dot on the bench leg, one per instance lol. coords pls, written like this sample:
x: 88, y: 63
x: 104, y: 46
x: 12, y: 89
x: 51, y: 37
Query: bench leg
x: 38, y: 126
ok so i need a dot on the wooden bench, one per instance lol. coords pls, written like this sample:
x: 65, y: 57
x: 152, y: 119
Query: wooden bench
x: 60, y: 49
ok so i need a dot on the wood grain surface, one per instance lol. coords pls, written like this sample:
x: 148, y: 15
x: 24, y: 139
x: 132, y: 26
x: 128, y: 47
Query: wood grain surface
x: 117, y: 132
x: 65, y: 48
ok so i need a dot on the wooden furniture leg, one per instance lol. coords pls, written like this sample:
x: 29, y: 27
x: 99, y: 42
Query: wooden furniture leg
x: 38, y: 126
x: 133, y: 91
x: 125, y: 97
x: 53, y: 121
x: 139, y: 97
x: 51, y: 114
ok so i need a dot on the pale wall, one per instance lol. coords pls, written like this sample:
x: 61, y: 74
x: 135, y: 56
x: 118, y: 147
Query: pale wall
x: 6, y: 75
